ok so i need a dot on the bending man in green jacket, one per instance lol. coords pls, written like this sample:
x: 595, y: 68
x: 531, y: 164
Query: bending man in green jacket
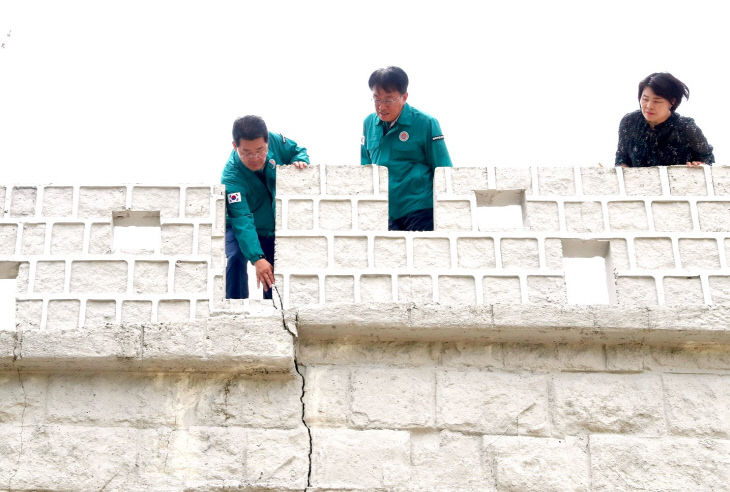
x: 250, y: 179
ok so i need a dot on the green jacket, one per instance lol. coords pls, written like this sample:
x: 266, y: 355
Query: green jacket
x: 411, y: 149
x: 251, y: 195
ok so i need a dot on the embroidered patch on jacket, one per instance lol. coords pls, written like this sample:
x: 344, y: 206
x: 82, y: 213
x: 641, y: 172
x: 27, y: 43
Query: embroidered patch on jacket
x: 403, y: 136
x: 440, y: 137
x: 272, y: 162
x: 234, y: 197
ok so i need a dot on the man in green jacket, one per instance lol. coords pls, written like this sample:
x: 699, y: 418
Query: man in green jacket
x: 410, y: 144
x: 250, y: 179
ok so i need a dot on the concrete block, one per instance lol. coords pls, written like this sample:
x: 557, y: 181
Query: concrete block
x: 690, y: 358
x: 34, y: 237
x: 176, y: 239
x: 205, y: 240
x: 100, y: 202
x: 150, y: 277
x: 457, y: 289
x: 519, y: 253
x: 100, y: 239
x: 452, y: 215
x: 633, y: 463
x: 98, y: 276
x: 327, y: 395
x: 642, y: 181
x: 554, y: 356
x: 492, y: 402
x: 197, y: 201
x: 293, y: 181
x: 720, y: 289
x: 100, y: 312
x: 599, y: 181
x: 134, y: 312
x: 21, y: 281
x: 683, y: 290
x: 277, y: 459
x: 300, y: 215
x: 372, y: 215
x: 345, y: 353
x: 546, y: 289
x: 67, y: 238
x: 389, y: 252
x: 698, y: 404
x: 431, y: 253
x: 618, y: 254
x: 714, y: 216
x: 219, y: 224
x: 554, y: 253
x: 300, y: 252
x: 376, y: 288
x: 684, y: 180
x: 654, y: 253
x: 394, y: 398
x: 533, y: 463
x: 335, y: 215
x: 2, y: 200
x: 556, y: 180
x: 173, y: 310
x: 164, y: 199
x: 339, y: 288
x: 475, y: 252
x: 415, y: 288
x: 472, y: 354
x: 191, y: 277
x: 636, y: 291
x: 349, y: 180
x: 584, y: 217
x: 721, y: 179
x: 346, y: 458
x: 671, y: 216
x: 625, y: 357
x: 439, y: 180
x: 303, y: 290
x: 22, y: 202
x: 501, y: 290
x: 699, y: 253
x: 58, y: 201
x: 383, y: 179
x: 350, y: 252
x: 464, y: 180
x: 50, y: 276
x: 278, y: 215
x: 514, y: 178
x: 8, y: 237
x: 614, y: 403
x: 542, y: 216
x: 627, y: 216
x: 63, y: 314
x: 448, y: 461
x: 28, y: 313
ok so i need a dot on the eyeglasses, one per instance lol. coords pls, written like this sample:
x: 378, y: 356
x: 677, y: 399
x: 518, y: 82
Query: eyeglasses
x: 385, y: 102
x: 257, y: 153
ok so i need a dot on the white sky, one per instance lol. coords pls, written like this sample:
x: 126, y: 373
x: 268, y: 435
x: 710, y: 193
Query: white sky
x: 146, y: 91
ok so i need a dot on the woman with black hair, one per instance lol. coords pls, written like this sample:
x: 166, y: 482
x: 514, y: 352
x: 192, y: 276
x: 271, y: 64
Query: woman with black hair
x: 655, y: 135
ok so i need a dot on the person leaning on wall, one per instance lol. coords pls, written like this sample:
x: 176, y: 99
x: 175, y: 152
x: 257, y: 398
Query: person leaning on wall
x: 410, y: 144
x: 655, y: 135
x: 250, y: 180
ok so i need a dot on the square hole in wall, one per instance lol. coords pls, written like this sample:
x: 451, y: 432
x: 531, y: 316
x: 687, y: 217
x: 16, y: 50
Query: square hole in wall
x: 8, y: 276
x: 136, y: 232
x: 588, y: 272
x: 499, y: 210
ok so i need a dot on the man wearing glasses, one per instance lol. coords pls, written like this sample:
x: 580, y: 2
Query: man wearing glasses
x: 250, y: 179
x: 410, y: 144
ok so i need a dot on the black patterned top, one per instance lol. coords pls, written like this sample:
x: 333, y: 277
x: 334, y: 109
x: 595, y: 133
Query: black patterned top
x: 677, y: 140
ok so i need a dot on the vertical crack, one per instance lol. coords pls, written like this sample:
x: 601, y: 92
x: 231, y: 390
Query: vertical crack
x: 301, y: 396
x: 22, y: 428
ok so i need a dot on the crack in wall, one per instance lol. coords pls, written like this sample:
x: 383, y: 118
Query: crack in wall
x: 301, y: 397
x: 22, y: 428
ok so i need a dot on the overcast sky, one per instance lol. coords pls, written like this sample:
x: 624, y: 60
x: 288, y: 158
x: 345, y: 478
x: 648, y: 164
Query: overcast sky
x: 145, y: 91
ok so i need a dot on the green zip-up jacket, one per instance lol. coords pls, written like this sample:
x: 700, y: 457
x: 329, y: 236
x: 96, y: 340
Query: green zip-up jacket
x: 251, y: 201
x: 411, y: 149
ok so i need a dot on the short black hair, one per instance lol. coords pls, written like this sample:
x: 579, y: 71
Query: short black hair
x: 249, y: 128
x: 389, y: 79
x: 666, y: 85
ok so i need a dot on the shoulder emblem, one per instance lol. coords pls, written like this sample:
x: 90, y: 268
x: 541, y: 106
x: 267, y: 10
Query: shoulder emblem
x: 440, y: 137
x: 403, y: 137
x: 234, y: 197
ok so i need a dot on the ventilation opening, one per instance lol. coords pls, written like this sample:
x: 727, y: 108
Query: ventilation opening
x: 588, y: 272
x: 500, y: 209
x: 8, y: 276
x: 136, y: 232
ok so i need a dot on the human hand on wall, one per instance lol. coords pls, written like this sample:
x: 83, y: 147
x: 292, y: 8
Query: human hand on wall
x: 299, y: 164
x: 695, y: 163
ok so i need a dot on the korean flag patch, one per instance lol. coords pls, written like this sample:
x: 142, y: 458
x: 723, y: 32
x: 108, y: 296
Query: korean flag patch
x: 234, y: 197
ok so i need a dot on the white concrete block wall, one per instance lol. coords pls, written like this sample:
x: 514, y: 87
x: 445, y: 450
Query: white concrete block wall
x: 71, y: 275
x: 663, y: 224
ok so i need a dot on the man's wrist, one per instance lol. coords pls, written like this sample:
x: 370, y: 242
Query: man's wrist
x: 257, y: 258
